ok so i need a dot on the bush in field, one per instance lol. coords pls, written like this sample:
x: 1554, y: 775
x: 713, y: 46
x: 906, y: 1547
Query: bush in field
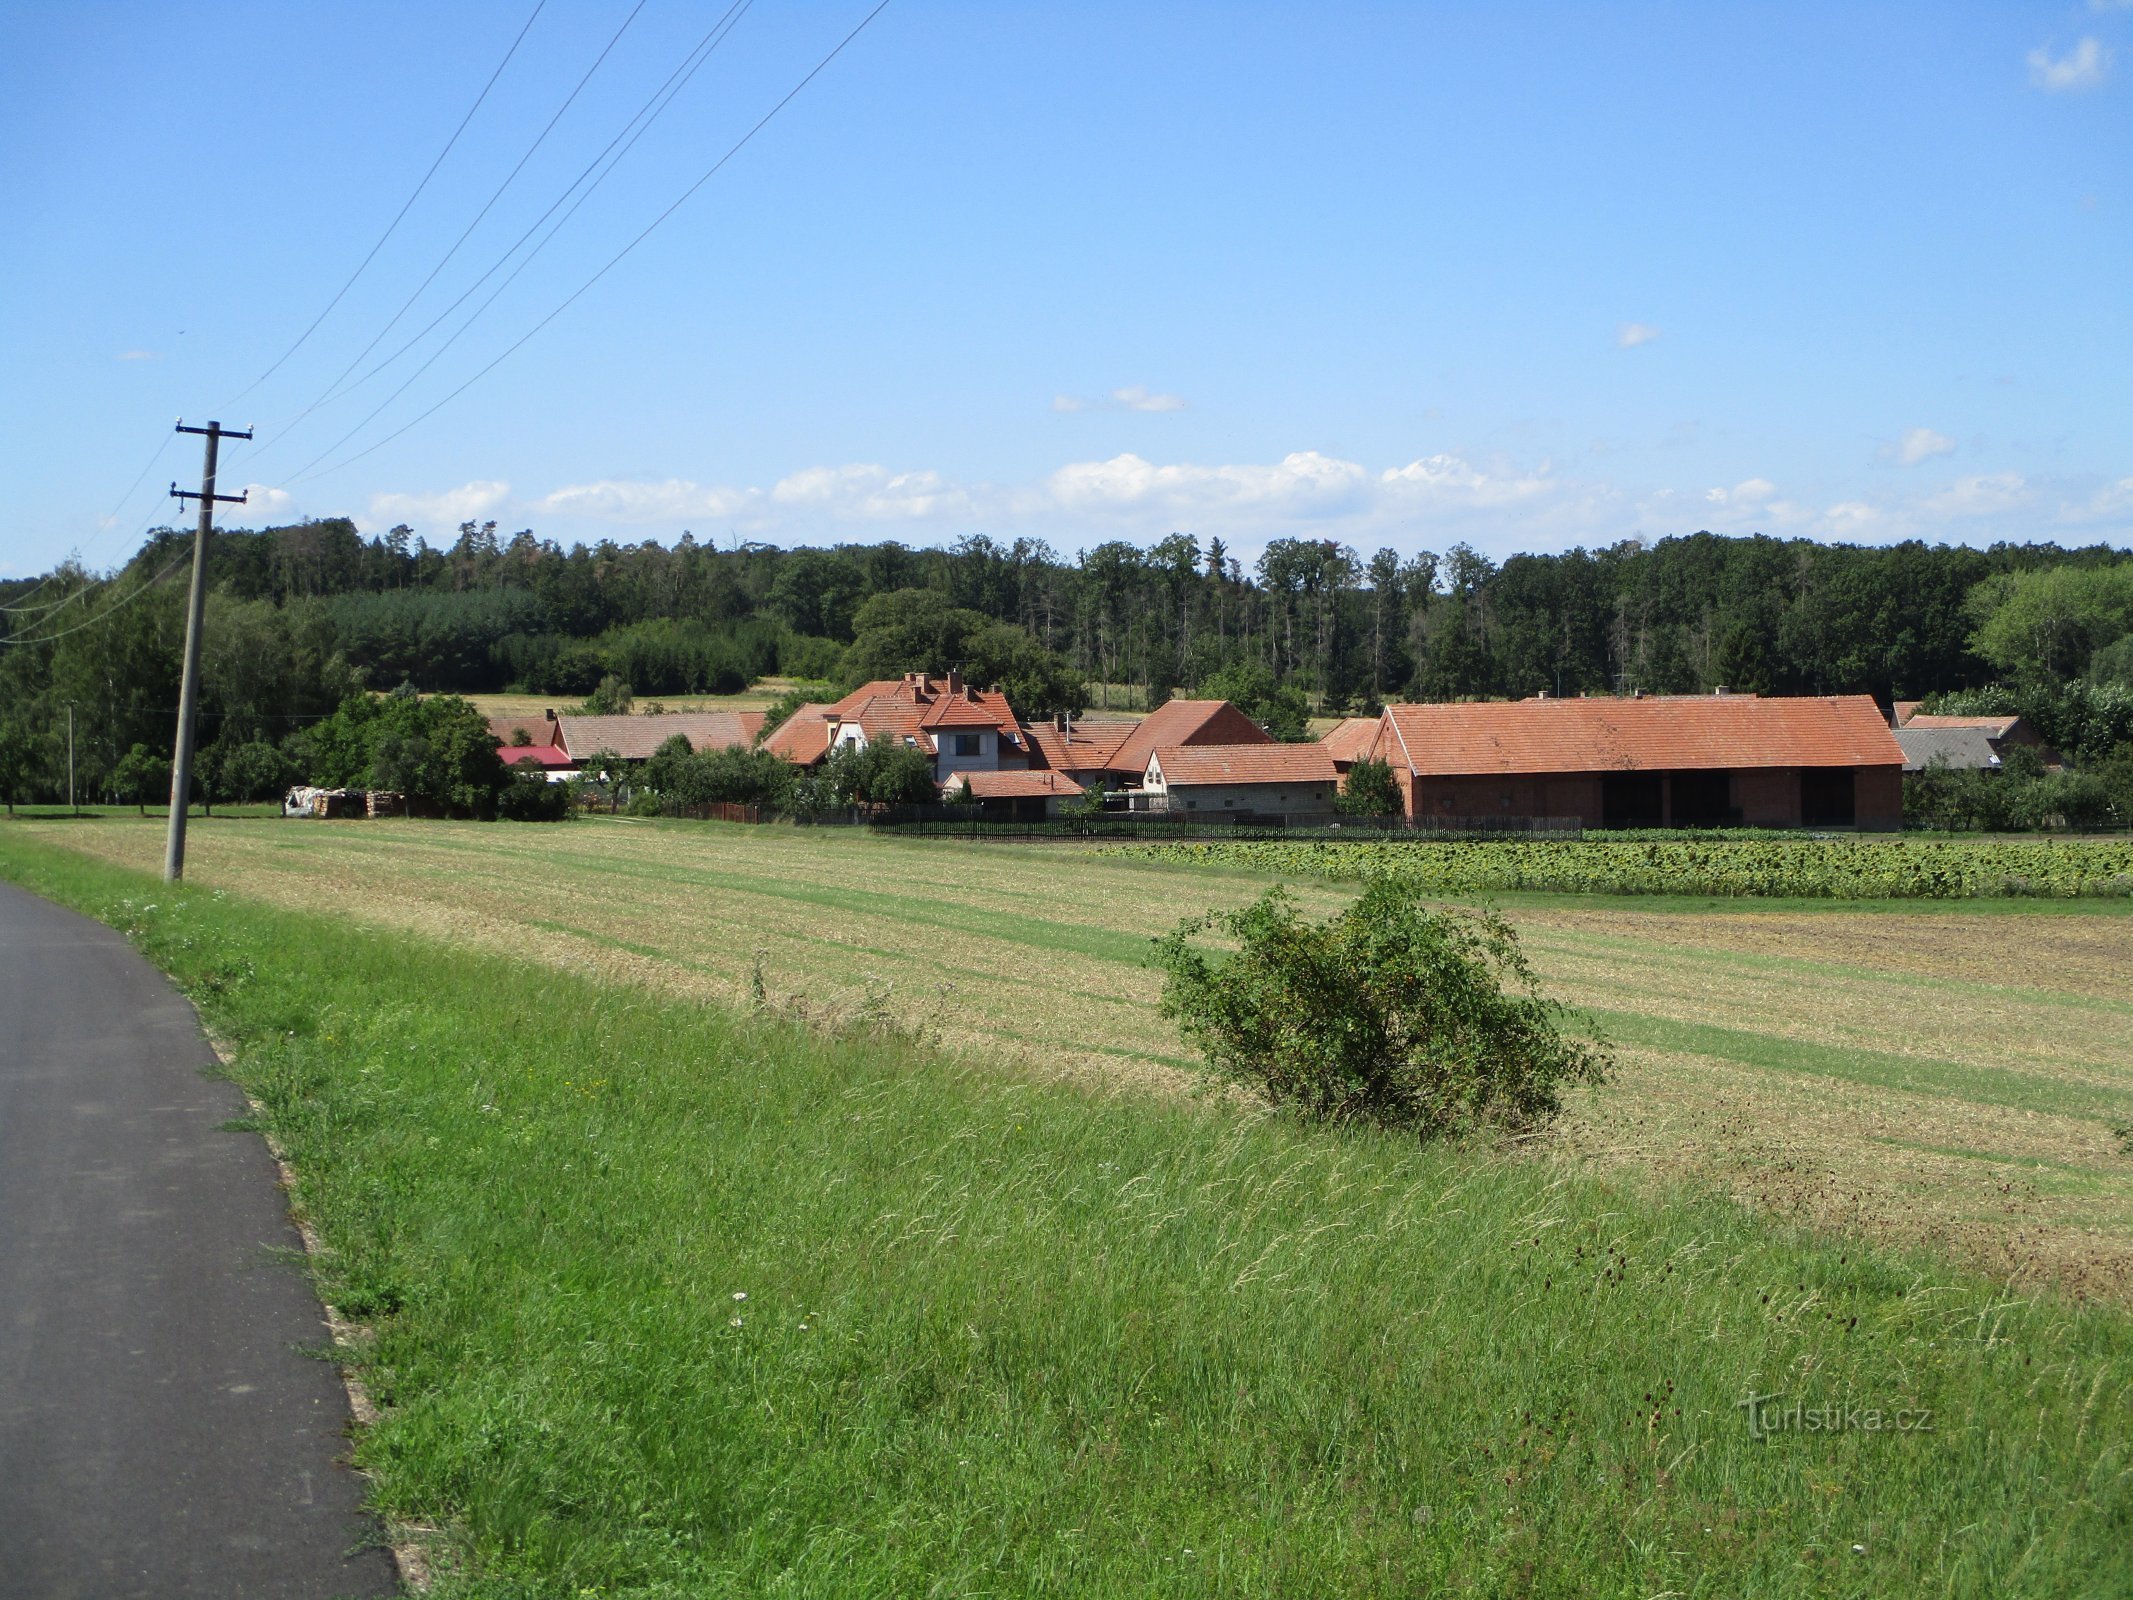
x: 1390, y: 1013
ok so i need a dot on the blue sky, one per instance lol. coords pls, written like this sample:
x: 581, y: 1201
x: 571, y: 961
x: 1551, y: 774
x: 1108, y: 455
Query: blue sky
x: 1528, y: 276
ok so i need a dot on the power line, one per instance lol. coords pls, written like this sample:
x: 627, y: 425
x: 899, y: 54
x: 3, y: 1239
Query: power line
x: 402, y: 212
x: 445, y: 260
x: 106, y: 614
x: 619, y: 255
x: 109, y: 522
x: 646, y: 115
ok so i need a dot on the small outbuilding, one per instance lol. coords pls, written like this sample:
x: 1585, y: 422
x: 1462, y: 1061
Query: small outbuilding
x: 1963, y: 749
x: 1260, y: 779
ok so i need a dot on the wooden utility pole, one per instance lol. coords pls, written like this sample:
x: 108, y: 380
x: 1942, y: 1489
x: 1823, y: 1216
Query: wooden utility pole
x: 181, y: 764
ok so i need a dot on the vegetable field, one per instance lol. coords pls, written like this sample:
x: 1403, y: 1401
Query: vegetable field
x: 1793, y: 869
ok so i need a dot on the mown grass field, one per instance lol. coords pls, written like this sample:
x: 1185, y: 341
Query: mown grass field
x: 1924, y: 1072
x: 667, y: 1300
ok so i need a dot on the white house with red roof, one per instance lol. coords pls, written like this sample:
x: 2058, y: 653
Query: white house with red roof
x: 958, y: 728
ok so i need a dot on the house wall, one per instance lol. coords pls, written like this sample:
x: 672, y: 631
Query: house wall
x: 1265, y: 798
x: 1880, y: 797
x: 946, y: 764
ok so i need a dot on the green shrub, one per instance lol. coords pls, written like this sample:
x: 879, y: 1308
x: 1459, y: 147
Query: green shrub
x: 1390, y: 1013
x: 1371, y: 791
x: 530, y: 797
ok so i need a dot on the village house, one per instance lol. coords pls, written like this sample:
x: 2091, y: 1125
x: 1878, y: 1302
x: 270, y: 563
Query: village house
x: 2003, y: 731
x: 1650, y: 761
x: 1260, y: 779
x: 1116, y: 752
x: 958, y: 729
x: 561, y: 745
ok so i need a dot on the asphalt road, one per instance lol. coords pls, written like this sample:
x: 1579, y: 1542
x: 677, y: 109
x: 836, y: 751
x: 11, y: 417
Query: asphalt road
x: 162, y: 1432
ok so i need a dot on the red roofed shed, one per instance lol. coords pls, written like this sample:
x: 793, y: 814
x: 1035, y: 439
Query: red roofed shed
x: 1653, y: 761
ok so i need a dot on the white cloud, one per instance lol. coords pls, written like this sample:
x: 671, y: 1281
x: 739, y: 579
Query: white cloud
x: 1918, y: 444
x: 2111, y: 503
x: 1499, y: 504
x: 1980, y: 494
x: 1133, y: 397
x: 263, y: 507
x: 2082, y: 67
x: 1136, y: 398
x: 1303, y: 481
x: 619, y: 500
x: 1632, y: 334
x: 140, y: 355
x: 470, y: 502
x: 872, y: 494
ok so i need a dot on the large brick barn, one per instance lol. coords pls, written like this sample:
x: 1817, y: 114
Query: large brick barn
x: 1650, y: 761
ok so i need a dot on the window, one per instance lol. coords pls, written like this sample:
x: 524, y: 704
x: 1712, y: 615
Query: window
x: 969, y: 744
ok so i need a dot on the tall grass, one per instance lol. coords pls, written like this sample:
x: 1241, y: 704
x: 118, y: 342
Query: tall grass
x: 1000, y: 1337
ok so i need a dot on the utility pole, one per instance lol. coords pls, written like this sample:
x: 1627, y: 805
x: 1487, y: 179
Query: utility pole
x: 73, y: 810
x: 181, y: 765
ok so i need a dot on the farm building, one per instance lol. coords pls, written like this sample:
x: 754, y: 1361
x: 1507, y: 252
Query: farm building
x: 2004, y: 732
x: 634, y: 738
x: 1650, y: 761
x: 553, y: 760
x: 1350, y: 741
x: 1965, y: 749
x: 1116, y: 752
x: 1017, y: 796
x: 1264, y: 779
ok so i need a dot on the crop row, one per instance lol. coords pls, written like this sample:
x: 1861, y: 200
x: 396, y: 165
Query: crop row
x: 1805, y: 868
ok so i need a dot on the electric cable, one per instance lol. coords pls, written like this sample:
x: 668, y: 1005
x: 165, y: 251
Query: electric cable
x: 646, y: 114
x: 398, y: 215
x: 618, y: 257
x: 445, y: 260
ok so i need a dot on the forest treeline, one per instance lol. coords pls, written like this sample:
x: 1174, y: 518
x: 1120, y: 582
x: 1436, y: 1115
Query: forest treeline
x: 301, y: 617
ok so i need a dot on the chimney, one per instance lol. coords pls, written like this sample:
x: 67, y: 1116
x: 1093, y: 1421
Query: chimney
x: 1721, y: 690
x: 955, y: 681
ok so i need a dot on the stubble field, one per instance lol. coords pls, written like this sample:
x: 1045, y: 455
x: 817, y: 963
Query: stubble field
x: 1949, y: 1077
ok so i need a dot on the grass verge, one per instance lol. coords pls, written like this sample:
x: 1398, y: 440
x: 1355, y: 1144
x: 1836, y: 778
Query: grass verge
x: 1007, y: 1338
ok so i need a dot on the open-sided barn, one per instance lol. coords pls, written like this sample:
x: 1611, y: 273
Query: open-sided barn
x: 1651, y: 761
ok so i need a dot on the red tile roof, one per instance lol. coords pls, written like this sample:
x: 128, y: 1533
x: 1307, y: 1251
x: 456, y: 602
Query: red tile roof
x: 1350, y: 742
x: 541, y: 730
x: 1193, y: 765
x: 635, y: 737
x: 1014, y: 785
x: 1658, y: 732
x: 1186, y: 722
x: 905, y: 711
x: 541, y: 755
x: 803, y: 737
x: 1086, y: 747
